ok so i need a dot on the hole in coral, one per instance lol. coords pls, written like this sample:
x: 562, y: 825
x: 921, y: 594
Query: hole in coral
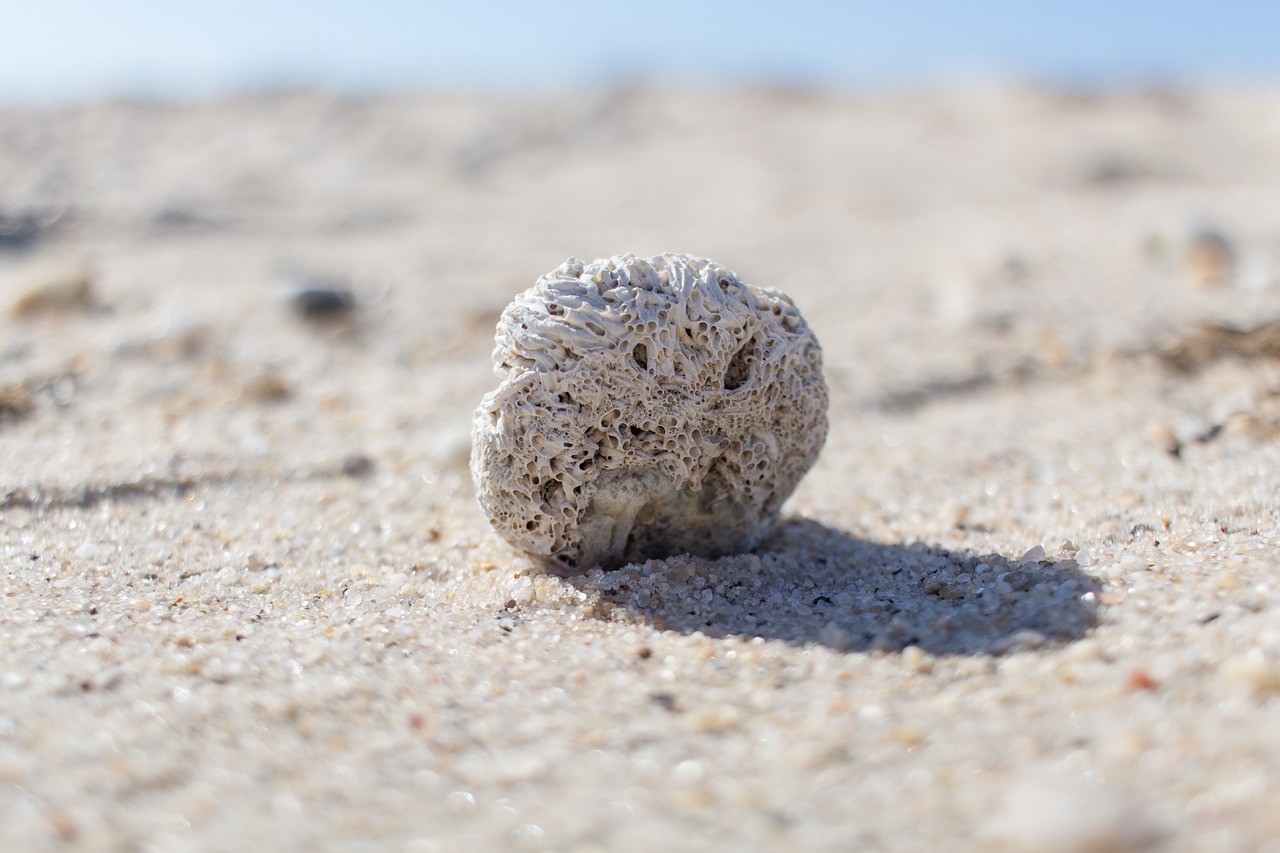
x: 739, y: 370
x: 640, y: 355
x: 554, y: 310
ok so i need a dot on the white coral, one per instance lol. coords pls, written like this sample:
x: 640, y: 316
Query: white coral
x: 647, y: 408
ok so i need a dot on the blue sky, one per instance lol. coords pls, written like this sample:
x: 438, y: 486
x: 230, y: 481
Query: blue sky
x: 70, y: 49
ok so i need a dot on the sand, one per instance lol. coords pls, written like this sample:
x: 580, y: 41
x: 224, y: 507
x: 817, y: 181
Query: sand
x: 1026, y: 600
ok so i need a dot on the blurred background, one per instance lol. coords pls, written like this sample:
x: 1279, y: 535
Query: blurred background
x: 327, y: 204
x: 80, y: 48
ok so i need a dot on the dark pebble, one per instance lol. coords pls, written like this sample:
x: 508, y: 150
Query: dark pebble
x: 324, y: 303
x: 357, y: 465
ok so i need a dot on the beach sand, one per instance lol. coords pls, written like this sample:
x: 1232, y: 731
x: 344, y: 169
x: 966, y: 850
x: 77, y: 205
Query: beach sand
x: 1026, y: 600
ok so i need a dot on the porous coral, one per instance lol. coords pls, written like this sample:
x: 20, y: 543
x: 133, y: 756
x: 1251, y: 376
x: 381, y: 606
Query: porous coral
x: 647, y: 408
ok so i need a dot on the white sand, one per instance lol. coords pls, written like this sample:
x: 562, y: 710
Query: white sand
x: 213, y: 638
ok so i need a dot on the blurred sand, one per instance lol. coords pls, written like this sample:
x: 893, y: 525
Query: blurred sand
x: 1027, y: 599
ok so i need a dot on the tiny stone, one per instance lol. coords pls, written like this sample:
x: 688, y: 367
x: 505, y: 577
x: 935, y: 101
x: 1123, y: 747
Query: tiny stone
x: 914, y: 659
x: 1253, y: 672
x: 15, y: 402
x: 267, y: 387
x: 523, y: 593
x: 56, y: 289
x: 1140, y: 680
x: 357, y: 465
x: 1034, y: 555
x: 323, y: 303
x: 1210, y: 258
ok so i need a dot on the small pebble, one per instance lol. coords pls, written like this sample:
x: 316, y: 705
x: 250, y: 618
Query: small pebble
x: 324, y: 303
x: 1034, y: 555
x: 15, y: 402
x: 268, y: 387
x: 914, y: 659
x: 1210, y: 259
x: 56, y: 289
x: 1252, y: 672
x: 1141, y: 680
x: 357, y: 465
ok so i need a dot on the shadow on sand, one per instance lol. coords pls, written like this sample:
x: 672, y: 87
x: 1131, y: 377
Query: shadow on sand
x: 810, y: 583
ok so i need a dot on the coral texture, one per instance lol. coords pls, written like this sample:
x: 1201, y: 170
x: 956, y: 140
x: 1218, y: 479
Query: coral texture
x: 647, y: 408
